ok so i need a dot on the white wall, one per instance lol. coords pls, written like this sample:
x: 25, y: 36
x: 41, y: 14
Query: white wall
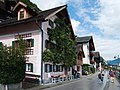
x: 86, y: 60
x: 35, y: 59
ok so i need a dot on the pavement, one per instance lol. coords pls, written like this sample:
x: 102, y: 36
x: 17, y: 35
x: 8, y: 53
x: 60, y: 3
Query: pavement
x: 106, y: 86
x: 112, y: 86
x: 40, y: 87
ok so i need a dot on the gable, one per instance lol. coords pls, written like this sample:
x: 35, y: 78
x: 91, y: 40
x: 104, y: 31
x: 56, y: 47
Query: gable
x: 23, y: 11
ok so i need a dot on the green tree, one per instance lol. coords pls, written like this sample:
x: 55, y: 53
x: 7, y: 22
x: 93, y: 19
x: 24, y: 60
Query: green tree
x: 30, y: 4
x: 12, y: 63
x: 64, y: 49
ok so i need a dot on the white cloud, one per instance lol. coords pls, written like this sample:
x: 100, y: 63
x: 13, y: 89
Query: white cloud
x: 108, y: 21
x: 75, y: 25
x: 109, y: 24
x: 108, y: 48
x: 47, y: 4
x: 109, y: 17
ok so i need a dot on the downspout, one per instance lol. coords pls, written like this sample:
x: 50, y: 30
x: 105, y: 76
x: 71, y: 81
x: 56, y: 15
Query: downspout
x: 37, y: 23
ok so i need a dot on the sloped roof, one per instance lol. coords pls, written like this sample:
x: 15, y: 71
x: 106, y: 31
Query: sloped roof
x: 22, y: 5
x: 96, y: 54
x: 83, y: 39
x: 86, y: 39
x: 41, y: 15
x: 45, y: 13
x: 60, y: 11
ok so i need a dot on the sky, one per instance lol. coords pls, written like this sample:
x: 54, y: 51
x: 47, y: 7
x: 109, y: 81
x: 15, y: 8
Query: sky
x: 97, y: 18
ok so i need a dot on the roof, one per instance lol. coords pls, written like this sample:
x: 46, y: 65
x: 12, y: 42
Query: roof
x: 96, y: 54
x: 86, y: 39
x: 46, y: 13
x: 83, y: 39
x: 41, y: 15
x: 19, y: 3
x: 22, y: 5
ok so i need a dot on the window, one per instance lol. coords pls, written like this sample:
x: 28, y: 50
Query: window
x: 29, y: 52
x: 61, y: 68
x: 50, y: 68
x: 54, y: 68
x: 46, y: 69
x: 30, y: 42
x: 1, y: 44
x: 51, y: 24
x: 49, y: 45
x: 15, y: 44
x: 57, y: 68
x: 29, y: 67
x: 46, y: 43
x: 21, y: 14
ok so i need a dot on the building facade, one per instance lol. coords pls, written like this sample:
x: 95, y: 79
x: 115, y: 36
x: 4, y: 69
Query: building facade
x: 88, y: 48
x: 32, y: 26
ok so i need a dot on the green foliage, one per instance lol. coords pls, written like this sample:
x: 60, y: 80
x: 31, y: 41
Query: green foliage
x: 12, y: 63
x: 86, y: 67
x: 93, y: 70
x: 30, y: 4
x: 64, y: 52
x: 47, y: 55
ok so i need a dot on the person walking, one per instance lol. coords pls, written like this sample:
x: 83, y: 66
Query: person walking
x: 101, y: 76
x: 112, y: 75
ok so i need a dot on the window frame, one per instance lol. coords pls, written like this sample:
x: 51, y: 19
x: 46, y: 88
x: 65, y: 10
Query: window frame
x: 29, y: 67
x: 22, y: 14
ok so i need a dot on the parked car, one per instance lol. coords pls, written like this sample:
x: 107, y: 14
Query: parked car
x: 84, y: 72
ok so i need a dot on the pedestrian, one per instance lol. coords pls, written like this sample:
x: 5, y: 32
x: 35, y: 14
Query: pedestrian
x: 101, y: 76
x: 112, y: 75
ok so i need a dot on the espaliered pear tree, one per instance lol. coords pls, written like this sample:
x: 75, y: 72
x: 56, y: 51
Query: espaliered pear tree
x: 63, y: 51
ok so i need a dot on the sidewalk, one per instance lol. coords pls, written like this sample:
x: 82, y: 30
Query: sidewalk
x: 112, y: 86
x: 61, y: 83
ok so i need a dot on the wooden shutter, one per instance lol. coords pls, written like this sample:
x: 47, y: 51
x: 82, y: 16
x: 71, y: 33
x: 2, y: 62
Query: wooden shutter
x: 31, y: 67
x: 32, y: 41
x: 46, y: 43
x: 1, y: 44
x: 13, y: 43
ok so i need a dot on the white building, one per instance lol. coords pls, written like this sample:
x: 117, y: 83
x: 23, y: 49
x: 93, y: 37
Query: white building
x: 32, y: 26
x: 88, y: 48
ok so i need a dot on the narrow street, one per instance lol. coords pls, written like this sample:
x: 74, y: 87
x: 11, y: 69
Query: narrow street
x: 85, y: 83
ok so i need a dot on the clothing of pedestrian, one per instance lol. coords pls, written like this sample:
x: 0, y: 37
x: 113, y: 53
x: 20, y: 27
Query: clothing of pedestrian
x: 112, y: 75
x: 101, y: 76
